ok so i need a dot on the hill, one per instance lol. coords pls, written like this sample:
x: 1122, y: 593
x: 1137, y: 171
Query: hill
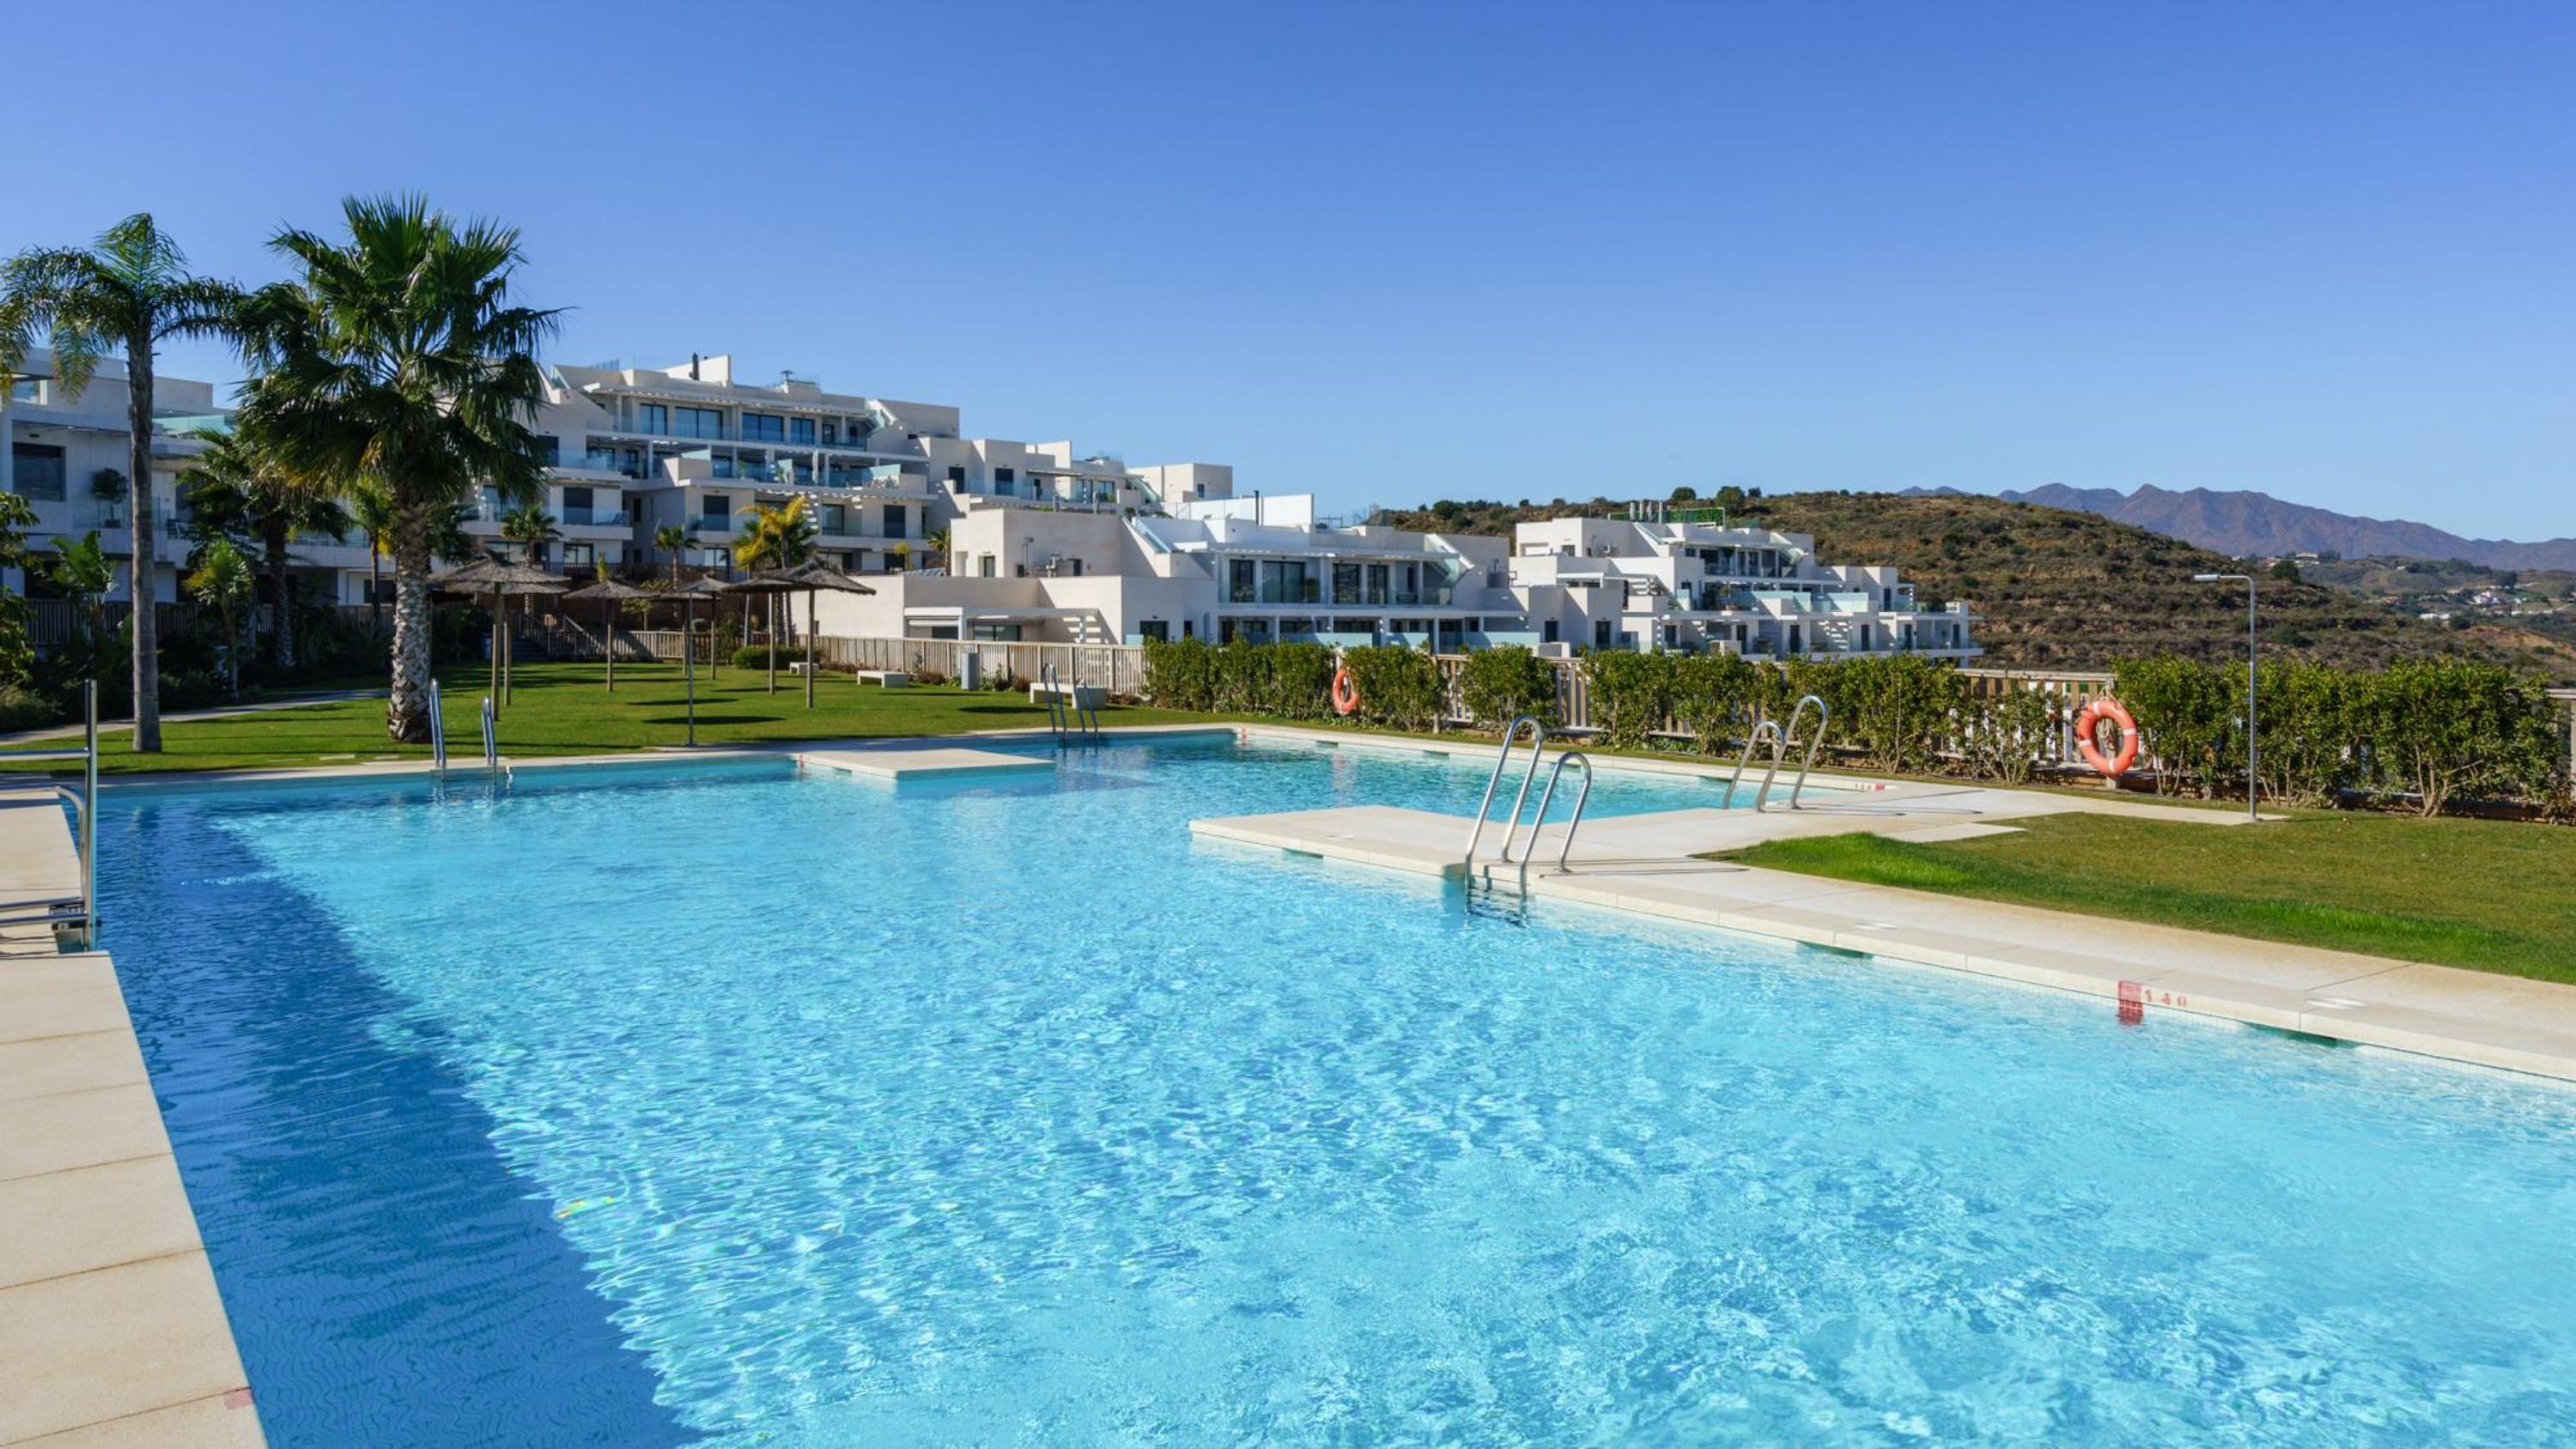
x: 2062, y: 589
x: 2244, y: 524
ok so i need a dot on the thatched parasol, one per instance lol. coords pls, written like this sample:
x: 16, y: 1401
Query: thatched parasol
x: 610, y: 594
x: 688, y: 594
x: 808, y: 578
x: 499, y: 578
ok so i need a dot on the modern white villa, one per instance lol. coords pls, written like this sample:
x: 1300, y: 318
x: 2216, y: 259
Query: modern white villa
x: 1045, y: 542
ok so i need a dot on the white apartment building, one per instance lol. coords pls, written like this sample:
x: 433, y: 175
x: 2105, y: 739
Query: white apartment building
x: 1682, y: 580
x: 1266, y: 569
x: 67, y: 456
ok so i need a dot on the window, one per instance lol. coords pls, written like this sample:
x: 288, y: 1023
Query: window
x: 1155, y: 630
x: 894, y: 521
x: 1239, y: 576
x: 28, y: 390
x: 984, y: 565
x: 652, y: 418
x: 763, y: 428
x: 956, y: 478
x: 547, y: 447
x: 576, y: 505
x: 39, y: 471
x: 799, y: 430
x: 699, y: 423
x: 579, y: 555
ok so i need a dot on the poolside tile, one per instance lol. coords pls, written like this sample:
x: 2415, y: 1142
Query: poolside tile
x: 99, y: 1346
x: 70, y: 1064
x: 92, y: 1218
x: 221, y: 1421
x: 81, y: 1129
x: 72, y: 1011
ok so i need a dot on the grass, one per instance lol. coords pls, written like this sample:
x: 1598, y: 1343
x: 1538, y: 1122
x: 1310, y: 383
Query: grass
x: 2483, y: 894
x: 561, y: 709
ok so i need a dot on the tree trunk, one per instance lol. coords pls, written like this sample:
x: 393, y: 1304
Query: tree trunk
x: 144, y: 565
x: 281, y: 633
x: 375, y: 587
x: 407, y: 710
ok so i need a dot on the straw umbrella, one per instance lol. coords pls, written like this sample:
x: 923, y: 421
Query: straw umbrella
x: 808, y: 578
x: 696, y: 589
x: 610, y: 594
x: 500, y: 579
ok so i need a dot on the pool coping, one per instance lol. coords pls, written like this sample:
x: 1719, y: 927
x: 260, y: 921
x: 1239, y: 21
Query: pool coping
x: 112, y: 1329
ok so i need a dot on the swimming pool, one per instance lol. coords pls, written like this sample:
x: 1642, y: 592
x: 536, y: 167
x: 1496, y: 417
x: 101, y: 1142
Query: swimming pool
x: 655, y: 1105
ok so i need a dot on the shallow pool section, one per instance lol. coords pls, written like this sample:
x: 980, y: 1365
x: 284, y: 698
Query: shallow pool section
x: 648, y: 1105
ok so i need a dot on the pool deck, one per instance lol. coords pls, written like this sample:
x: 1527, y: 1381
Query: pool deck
x: 111, y: 1332
x: 1648, y: 864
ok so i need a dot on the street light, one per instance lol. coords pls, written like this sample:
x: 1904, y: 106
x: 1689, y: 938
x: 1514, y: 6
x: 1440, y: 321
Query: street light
x: 2252, y: 645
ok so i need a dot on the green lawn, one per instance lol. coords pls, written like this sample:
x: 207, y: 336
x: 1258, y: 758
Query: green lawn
x: 560, y: 709
x: 2485, y: 894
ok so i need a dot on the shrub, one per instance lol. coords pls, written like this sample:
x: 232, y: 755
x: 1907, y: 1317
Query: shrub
x: 1632, y: 694
x: 1180, y: 674
x: 1713, y: 698
x: 2446, y: 729
x: 2187, y: 715
x: 1497, y: 685
x: 1897, y: 708
x: 1399, y: 687
x: 2309, y: 728
x: 756, y: 656
x: 22, y: 708
x: 2001, y: 736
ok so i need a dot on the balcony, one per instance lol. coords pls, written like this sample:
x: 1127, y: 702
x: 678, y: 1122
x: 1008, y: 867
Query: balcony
x: 596, y: 517
x: 711, y: 523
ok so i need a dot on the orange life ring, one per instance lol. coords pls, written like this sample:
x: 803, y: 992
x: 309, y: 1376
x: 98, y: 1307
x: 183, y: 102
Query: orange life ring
x: 2090, y: 719
x: 1346, y: 695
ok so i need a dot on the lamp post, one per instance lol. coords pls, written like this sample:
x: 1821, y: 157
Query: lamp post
x: 2252, y: 646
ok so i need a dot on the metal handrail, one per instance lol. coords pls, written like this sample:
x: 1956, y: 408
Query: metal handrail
x: 1511, y: 734
x: 437, y: 729
x: 1752, y: 741
x: 1582, y: 797
x: 491, y: 738
x: 1782, y: 742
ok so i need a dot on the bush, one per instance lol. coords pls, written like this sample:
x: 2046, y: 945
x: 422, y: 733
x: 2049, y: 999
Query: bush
x: 1399, y: 687
x: 1898, y: 709
x: 1713, y: 697
x: 2310, y: 726
x: 2446, y: 729
x: 22, y: 708
x: 1632, y: 694
x: 2002, y: 735
x: 756, y: 656
x: 1180, y: 674
x: 2187, y: 716
x: 1497, y: 685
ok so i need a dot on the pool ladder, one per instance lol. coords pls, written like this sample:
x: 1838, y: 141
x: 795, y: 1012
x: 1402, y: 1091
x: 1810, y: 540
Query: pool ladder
x: 1782, y: 741
x: 1484, y: 886
x: 1069, y: 713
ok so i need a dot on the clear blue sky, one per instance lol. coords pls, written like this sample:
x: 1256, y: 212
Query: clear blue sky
x: 1397, y: 252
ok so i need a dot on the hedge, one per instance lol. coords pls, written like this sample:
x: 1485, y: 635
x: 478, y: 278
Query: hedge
x: 2432, y: 732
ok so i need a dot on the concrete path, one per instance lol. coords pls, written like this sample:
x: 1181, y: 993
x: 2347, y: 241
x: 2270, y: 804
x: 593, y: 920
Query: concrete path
x: 111, y: 1331
x: 1647, y: 864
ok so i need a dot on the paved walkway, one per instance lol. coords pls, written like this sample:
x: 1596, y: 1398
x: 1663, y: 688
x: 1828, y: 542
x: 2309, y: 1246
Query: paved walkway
x: 1648, y: 864
x: 111, y: 1331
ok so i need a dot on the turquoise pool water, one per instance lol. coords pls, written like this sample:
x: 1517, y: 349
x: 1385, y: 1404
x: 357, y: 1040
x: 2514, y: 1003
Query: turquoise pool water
x: 731, y: 1105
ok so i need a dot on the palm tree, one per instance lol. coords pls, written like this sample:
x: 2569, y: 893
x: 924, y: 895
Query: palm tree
x: 222, y: 581
x: 938, y: 543
x: 399, y: 365
x: 532, y: 528
x: 236, y: 490
x: 775, y: 536
x: 670, y: 538
x: 374, y: 517
x: 132, y: 289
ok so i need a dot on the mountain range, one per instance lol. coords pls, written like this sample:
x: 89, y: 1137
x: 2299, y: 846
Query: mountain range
x: 2245, y: 524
